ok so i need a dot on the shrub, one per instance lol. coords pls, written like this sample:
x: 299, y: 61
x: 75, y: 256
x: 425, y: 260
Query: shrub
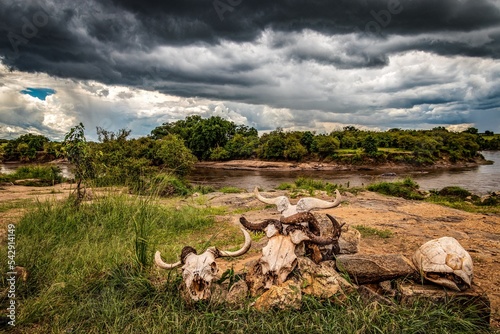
x: 455, y: 191
x: 405, y: 189
x: 47, y: 175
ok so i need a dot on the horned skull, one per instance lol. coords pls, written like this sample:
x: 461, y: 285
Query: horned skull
x: 199, y: 270
x: 445, y: 262
x: 303, y: 205
x: 279, y: 256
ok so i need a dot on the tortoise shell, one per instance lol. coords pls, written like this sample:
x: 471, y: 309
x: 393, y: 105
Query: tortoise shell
x: 445, y: 262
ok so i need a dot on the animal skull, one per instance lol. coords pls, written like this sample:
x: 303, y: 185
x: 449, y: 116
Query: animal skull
x: 445, y: 262
x: 198, y: 271
x: 303, y: 205
x: 279, y: 256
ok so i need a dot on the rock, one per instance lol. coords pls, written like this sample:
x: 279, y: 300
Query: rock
x: 322, y: 280
x: 254, y: 277
x: 30, y: 182
x: 237, y: 293
x: 284, y: 296
x: 376, y: 268
x: 21, y: 273
x: 411, y: 292
x: 349, y: 240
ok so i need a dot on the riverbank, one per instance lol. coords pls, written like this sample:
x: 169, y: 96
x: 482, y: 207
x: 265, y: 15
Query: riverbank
x: 330, y: 166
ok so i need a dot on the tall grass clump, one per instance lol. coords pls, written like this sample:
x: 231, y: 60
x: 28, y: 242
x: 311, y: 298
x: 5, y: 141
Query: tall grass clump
x: 309, y: 185
x: 406, y: 188
x: 90, y: 264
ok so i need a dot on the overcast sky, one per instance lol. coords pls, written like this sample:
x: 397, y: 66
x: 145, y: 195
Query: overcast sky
x: 301, y: 65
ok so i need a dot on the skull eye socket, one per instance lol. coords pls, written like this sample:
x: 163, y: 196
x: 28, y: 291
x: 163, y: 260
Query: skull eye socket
x: 213, y: 267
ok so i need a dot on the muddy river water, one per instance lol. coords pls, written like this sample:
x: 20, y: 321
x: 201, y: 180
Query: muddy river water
x: 480, y: 179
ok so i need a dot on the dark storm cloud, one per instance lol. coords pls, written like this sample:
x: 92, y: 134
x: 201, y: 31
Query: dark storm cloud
x: 296, y: 55
x: 88, y: 32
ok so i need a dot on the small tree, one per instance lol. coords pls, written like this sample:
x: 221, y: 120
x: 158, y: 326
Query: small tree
x: 370, y: 145
x: 77, y: 153
x: 171, y: 153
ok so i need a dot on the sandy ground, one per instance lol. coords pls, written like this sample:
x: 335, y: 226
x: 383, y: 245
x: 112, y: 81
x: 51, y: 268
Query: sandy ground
x: 318, y: 165
x: 411, y: 222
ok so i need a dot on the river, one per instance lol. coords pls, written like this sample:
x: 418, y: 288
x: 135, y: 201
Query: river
x: 480, y: 180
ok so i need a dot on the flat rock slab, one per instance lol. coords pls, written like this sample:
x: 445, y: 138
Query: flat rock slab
x: 411, y: 292
x: 370, y: 268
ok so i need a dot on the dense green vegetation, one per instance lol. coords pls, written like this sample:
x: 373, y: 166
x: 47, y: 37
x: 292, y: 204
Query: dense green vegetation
x: 37, y: 175
x: 90, y: 271
x: 177, y: 145
x: 453, y: 196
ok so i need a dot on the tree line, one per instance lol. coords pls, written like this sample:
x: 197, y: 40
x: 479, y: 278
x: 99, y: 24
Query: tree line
x: 176, y: 146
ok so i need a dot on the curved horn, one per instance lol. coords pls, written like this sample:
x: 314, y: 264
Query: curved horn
x: 303, y: 217
x: 159, y: 262
x: 337, y: 228
x: 309, y: 203
x: 299, y: 233
x: 242, y: 250
x: 254, y: 226
x: 266, y: 200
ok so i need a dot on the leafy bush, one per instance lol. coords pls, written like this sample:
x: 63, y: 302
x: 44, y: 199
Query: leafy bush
x: 455, y: 191
x: 45, y: 175
x: 219, y: 154
x: 406, y: 189
x: 174, y: 155
x: 164, y: 185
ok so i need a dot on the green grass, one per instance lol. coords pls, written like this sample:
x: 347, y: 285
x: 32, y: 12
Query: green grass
x: 231, y: 190
x: 90, y: 271
x: 309, y: 185
x: 14, y: 204
x: 367, y: 231
x: 394, y: 150
x: 406, y: 189
x: 47, y: 175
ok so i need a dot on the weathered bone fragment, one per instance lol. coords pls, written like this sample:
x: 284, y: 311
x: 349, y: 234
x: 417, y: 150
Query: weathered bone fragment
x: 303, y: 205
x: 279, y: 256
x: 445, y: 262
x: 198, y: 271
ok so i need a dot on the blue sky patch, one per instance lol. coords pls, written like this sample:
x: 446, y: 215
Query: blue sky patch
x: 39, y: 93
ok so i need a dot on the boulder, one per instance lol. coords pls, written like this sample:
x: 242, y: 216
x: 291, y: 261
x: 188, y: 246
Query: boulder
x: 349, y: 240
x: 284, y: 296
x: 322, y: 280
x: 367, y: 268
x: 237, y: 293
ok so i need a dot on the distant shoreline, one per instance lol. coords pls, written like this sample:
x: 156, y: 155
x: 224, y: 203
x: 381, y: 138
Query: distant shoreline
x: 324, y: 166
